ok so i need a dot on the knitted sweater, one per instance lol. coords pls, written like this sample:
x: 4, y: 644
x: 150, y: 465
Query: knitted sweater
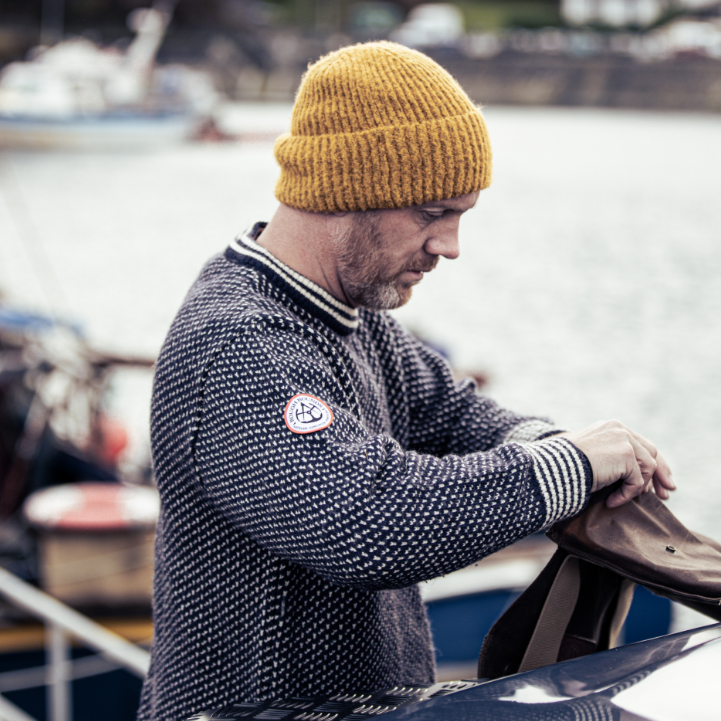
x: 315, y: 462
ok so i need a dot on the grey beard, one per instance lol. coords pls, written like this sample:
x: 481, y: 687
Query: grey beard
x: 360, y: 262
x: 377, y: 297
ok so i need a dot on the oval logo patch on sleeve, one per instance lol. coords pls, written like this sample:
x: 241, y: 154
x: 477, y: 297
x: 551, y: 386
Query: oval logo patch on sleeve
x: 307, y: 414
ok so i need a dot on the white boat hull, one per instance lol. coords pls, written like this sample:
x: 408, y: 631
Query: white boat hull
x: 97, y: 132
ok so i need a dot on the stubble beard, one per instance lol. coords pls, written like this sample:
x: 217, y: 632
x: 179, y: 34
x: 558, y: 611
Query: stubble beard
x: 362, y: 266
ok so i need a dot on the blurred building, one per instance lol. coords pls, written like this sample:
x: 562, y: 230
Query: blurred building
x: 626, y: 13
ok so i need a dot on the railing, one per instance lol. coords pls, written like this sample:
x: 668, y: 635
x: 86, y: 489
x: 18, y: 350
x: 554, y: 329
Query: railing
x: 61, y: 623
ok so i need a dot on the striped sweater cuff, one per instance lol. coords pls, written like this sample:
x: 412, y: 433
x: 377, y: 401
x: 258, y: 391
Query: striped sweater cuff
x: 564, y: 476
x: 527, y: 431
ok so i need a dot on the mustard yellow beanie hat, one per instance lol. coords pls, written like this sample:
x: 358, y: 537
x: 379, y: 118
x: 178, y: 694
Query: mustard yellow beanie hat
x: 378, y: 125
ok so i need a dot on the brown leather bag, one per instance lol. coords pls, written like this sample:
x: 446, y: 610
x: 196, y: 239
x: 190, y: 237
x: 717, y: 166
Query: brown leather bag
x: 578, y: 603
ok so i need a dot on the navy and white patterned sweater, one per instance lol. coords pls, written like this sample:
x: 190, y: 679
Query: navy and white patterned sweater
x: 287, y: 562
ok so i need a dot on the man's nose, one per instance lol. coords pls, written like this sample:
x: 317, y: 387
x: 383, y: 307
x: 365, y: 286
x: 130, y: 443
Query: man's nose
x: 444, y: 241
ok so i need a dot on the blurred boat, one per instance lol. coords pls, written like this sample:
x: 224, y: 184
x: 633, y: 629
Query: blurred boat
x: 73, y: 519
x: 106, y: 132
x: 54, y: 423
x: 77, y: 94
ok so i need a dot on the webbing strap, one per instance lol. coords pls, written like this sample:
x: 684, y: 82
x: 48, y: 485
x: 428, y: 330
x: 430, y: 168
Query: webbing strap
x: 623, y: 604
x: 556, y: 613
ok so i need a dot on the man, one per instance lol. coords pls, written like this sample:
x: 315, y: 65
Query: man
x: 315, y: 462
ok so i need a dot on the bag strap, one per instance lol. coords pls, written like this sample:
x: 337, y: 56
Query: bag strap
x: 542, y: 649
x: 623, y: 605
x: 545, y: 643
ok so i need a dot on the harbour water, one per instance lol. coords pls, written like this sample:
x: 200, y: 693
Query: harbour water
x: 588, y: 287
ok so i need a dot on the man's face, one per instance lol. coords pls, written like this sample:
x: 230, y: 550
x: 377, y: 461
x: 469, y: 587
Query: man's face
x: 382, y: 254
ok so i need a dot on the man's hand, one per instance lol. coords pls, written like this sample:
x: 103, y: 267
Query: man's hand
x: 617, y: 453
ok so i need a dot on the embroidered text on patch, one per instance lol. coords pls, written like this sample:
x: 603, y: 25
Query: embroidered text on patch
x: 306, y: 414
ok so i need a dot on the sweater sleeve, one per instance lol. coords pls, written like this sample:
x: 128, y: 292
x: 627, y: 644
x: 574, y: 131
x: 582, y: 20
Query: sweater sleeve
x: 449, y: 417
x: 352, y: 506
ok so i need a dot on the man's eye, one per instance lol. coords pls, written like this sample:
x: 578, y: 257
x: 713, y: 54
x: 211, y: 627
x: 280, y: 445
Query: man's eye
x: 432, y: 215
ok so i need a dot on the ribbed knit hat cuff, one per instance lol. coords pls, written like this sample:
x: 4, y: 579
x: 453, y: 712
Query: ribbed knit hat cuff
x: 387, y: 167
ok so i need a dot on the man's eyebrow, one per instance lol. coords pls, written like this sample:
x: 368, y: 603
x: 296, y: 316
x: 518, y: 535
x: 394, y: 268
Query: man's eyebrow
x: 446, y: 204
x: 430, y: 203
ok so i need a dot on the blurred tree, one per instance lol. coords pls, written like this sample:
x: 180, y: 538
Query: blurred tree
x: 373, y: 20
x: 322, y: 15
x: 325, y: 15
x: 497, y: 14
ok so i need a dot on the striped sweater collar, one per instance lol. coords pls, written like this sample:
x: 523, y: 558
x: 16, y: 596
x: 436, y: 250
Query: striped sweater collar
x: 318, y: 302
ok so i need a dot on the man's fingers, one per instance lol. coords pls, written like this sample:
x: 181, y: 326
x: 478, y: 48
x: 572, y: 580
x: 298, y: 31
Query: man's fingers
x: 663, y: 475
x: 616, y: 452
x: 661, y: 492
x: 630, y: 488
x: 639, y: 469
x: 661, y: 479
x: 648, y: 445
x: 645, y: 459
x: 645, y: 473
x: 663, y: 482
